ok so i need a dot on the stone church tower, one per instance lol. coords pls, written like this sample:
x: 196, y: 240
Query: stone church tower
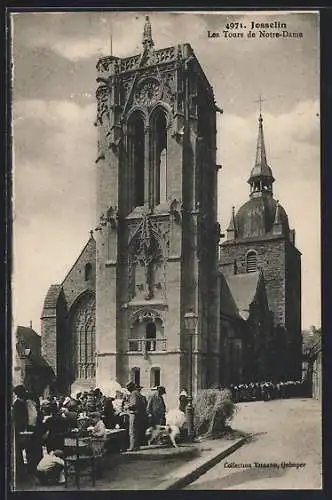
x: 119, y: 312
x: 259, y: 238
x: 157, y: 235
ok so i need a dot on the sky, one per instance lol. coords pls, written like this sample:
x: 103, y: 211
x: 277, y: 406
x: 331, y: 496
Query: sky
x: 54, y: 141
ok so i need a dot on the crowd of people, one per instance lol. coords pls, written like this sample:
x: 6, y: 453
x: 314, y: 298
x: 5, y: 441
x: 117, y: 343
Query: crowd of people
x: 267, y: 390
x: 48, y: 421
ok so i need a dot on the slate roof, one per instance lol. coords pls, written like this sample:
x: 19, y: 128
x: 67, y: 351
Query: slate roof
x: 52, y: 296
x: 27, y: 338
x: 227, y: 303
x: 256, y: 217
x: 261, y: 168
x: 243, y: 288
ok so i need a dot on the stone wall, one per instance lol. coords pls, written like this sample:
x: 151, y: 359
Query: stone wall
x: 271, y: 259
x: 75, y: 283
x: 293, y: 309
x: 281, y: 265
x: 190, y: 276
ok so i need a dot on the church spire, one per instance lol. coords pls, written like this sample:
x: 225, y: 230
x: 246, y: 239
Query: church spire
x: 260, y: 150
x: 147, y: 34
x: 231, y: 230
x: 261, y: 178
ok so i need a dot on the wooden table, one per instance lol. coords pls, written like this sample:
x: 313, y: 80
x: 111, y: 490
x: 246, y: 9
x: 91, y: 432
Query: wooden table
x: 116, y: 440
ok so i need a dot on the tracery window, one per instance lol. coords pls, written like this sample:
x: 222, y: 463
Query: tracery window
x: 159, y: 156
x: 84, y: 338
x: 136, y: 150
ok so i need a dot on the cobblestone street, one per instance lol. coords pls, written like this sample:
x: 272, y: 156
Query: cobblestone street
x: 284, y: 431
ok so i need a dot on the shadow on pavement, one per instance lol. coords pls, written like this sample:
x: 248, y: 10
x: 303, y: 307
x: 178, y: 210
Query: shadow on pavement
x: 254, y: 437
x: 238, y: 477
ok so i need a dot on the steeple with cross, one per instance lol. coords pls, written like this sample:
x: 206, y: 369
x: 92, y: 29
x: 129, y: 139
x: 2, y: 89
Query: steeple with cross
x: 261, y: 178
x: 260, y: 100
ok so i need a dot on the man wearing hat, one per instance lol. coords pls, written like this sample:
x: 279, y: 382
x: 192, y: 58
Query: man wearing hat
x: 156, y: 407
x: 20, y: 423
x: 144, y: 420
x: 135, y: 416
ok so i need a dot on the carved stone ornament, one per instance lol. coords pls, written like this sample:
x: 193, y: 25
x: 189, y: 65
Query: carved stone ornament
x: 111, y: 218
x: 169, y: 92
x: 102, y: 95
x: 175, y: 210
x: 143, y: 315
x: 107, y: 64
x: 148, y: 249
x: 148, y: 92
x: 130, y: 63
x: 147, y: 252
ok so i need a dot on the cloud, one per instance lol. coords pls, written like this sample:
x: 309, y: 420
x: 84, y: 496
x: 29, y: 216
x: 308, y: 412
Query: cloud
x: 55, y: 31
x: 54, y: 153
x: 55, y: 141
x: 86, y: 34
x: 75, y: 49
x: 55, y: 55
x: 54, y: 197
x: 55, y: 186
x: 292, y: 143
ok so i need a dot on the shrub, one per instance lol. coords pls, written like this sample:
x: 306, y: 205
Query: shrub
x: 213, y: 410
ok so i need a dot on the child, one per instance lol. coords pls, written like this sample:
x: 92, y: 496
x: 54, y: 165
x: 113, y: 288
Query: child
x: 98, y: 432
x: 98, y: 429
x: 50, y: 469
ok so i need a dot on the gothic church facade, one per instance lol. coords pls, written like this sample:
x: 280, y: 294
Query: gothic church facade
x: 119, y: 314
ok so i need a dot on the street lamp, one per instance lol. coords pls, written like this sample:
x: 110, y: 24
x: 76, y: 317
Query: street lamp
x: 190, y: 323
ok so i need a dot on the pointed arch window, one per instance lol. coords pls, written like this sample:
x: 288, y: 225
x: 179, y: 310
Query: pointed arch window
x: 136, y: 151
x: 251, y: 261
x: 88, y: 271
x: 159, y: 156
x: 83, y: 322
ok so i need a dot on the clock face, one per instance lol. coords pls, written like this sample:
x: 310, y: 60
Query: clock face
x: 148, y: 92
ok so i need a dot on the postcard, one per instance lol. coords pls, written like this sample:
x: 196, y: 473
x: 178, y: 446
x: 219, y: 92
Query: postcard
x: 166, y: 250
